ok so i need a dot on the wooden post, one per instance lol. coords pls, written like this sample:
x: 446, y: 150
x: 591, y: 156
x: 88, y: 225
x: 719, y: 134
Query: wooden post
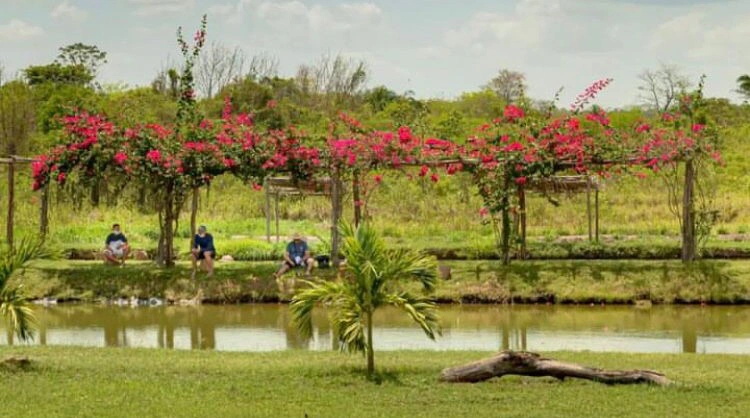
x: 356, y: 199
x: 193, y: 226
x: 522, y: 216
x: 11, y: 202
x: 44, y: 213
x: 335, y: 216
x: 588, y: 207
x: 268, y: 209
x: 596, y: 213
x: 276, y: 214
x: 688, y: 216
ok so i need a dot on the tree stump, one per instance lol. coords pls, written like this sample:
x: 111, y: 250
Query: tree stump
x: 531, y: 364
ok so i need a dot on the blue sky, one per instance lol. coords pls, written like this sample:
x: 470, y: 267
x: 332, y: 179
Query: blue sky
x: 437, y: 48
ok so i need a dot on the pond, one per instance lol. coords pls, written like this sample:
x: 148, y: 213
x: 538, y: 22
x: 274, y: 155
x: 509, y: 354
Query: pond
x: 658, y: 329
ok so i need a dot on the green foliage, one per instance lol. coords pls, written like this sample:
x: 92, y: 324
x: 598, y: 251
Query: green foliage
x: 14, y: 306
x: 56, y: 73
x: 369, y: 281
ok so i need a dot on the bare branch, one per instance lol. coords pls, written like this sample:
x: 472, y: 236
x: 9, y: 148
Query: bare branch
x: 218, y: 66
x: 661, y: 88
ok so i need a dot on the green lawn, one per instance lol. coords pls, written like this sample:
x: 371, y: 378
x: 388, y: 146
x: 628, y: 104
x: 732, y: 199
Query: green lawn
x: 67, y: 382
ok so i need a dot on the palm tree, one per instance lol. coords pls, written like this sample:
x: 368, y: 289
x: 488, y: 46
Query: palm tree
x: 371, y: 279
x: 14, y: 307
x: 743, y: 82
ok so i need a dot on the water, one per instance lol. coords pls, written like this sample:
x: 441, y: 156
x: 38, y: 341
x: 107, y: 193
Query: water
x: 536, y: 328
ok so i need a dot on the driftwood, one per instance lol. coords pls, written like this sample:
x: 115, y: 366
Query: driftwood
x: 532, y: 364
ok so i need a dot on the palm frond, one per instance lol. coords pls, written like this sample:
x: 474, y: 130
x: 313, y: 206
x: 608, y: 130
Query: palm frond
x: 347, y: 318
x: 404, y: 264
x: 303, y: 303
x: 421, y: 309
x: 18, y: 313
x: 13, y: 305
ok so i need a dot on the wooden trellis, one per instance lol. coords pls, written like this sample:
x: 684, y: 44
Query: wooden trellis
x: 11, y: 162
x: 563, y: 185
x: 278, y: 187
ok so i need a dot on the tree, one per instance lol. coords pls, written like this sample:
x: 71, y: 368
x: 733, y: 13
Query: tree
x: 332, y: 84
x: 57, y: 73
x: 661, y: 88
x: 217, y: 66
x: 508, y: 85
x: 167, y: 83
x: 78, y: 54
x: 743, y: 87
x: 370, y: 281
x: 262, y: 67
x: 14, y: 307
x: 380, y: 97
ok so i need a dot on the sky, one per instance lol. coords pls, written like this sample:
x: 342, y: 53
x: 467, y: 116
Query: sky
x: 435, y: 48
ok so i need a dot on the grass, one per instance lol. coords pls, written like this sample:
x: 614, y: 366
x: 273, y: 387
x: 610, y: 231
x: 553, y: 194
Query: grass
x: 86, y: 382
x: 553, y: 281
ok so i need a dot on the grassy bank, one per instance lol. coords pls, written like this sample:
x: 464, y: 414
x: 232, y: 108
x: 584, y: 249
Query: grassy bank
x: 64, y: 382
x: 602, y: 281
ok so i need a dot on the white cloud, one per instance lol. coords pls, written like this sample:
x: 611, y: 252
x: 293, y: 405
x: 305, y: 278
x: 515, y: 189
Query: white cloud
x: 66, y: 10
x: 157, y: 7
x: 18, y: 30
x: 223, y: 9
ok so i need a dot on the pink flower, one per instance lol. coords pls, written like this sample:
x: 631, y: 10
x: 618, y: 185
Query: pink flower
x: 521, y: 180
x: 61, y: 178
x: 271, y: 104
x: 404, y: 134
x: 378, y: 178
x: 154, y: 156
x: 120, y: 158
x: 484, y: 212
x: 644, y: 127
x: 434, y: 177
x: 257, y: 187
x: 423, y: 171
x: 698, y: 127
x: 229, y: 163
x: 513, y: 113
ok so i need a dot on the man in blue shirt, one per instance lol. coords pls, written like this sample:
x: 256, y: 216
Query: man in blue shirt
x: 297, y: 254
x: 116, y: 247
x: 204, y: 250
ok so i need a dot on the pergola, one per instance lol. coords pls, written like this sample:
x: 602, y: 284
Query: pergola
x: 11, y: 162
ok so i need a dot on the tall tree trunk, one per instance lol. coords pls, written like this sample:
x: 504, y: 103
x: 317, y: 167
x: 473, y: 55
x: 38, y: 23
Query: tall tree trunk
x: 689, y: 241
x: 11, y: 203
x: 370, y: 346
x: 95, y: 194
x: 522, y: 218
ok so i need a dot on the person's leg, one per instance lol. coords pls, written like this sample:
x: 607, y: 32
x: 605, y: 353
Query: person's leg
x: 309, y: 264
x: 209, y: 260
x: 109, y: 257
x: 125, y: 252
x: 283, y: 269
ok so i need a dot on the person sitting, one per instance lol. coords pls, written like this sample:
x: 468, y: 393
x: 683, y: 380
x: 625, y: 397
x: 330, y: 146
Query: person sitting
x: 297, y: 254
x: 116, y: 247
x: 204, y: 250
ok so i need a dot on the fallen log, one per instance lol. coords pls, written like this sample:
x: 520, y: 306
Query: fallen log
x: 531, y: 364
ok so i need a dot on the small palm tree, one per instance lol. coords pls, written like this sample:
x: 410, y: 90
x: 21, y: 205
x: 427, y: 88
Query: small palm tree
x: 14, y: 307
x: 371, y: 279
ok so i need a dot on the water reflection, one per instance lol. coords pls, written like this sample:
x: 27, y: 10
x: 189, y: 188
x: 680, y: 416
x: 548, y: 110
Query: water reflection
x: 268, y: 327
